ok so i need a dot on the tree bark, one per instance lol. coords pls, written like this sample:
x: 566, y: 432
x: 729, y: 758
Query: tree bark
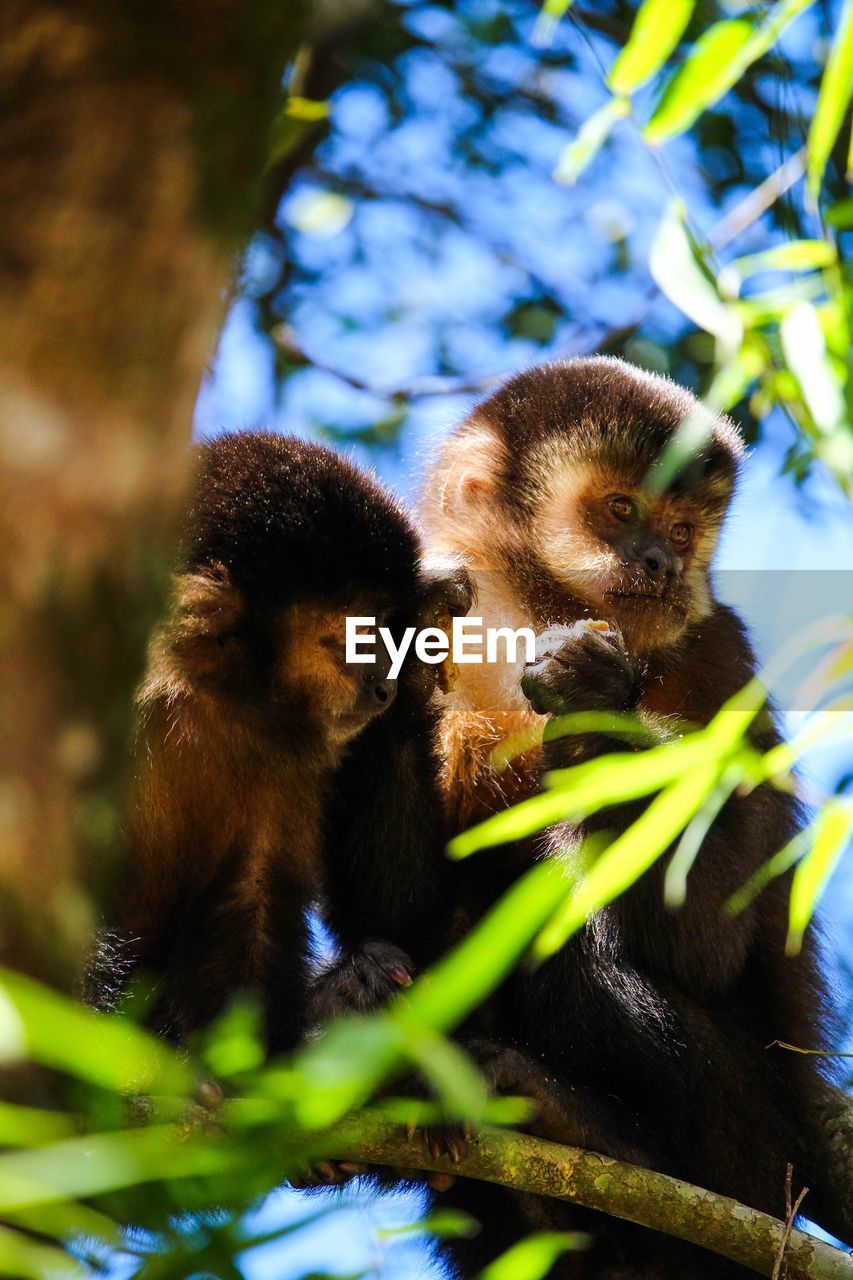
x: 625, y: 1191
x: 130, y: 169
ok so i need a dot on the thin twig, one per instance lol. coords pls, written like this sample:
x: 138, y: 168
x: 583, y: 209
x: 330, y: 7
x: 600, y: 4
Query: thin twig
x: 780, y: 1270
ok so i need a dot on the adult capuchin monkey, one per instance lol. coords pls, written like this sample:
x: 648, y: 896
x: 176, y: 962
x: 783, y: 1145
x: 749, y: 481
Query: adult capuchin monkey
x: 646, y: 1036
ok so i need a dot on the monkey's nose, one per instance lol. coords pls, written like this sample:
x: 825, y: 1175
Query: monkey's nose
x: 384, y: 692
x: 657, y: 562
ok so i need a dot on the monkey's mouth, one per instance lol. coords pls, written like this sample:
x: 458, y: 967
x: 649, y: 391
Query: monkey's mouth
x: 650, y: 599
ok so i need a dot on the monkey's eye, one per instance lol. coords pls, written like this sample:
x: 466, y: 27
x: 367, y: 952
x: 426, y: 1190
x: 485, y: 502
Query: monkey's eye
x: 680, y: 535
x: 622, y: 508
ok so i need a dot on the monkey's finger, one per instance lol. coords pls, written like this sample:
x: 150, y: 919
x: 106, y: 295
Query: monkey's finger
x: 441, y: 1181
x: 401, y: 976
x: 354, y: 1170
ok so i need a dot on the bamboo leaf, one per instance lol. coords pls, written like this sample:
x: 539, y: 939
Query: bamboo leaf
x: 630, y: 855
x: 657, y: 29
x: 796, y: 255
x: 533, y: 1257
x: 550, y: 16
x: 676, y: 269
x: 701, y: 81
x: 836, y: 88
x: 592, y: 135
x: 832, y: 831
x: 102, y: 1049
x: 805, y: 351
x: 718, y: 60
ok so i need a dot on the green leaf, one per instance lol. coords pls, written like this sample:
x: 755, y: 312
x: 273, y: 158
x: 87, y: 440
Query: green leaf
x: 687, y: 851
x: 343, y: 1067
x: 657, y: 29
x: 776, y: 866
x: 25, y: 1259
x: 448, y: 1069
x: 833, y: 828
x: 717, y: 61
x: 443, y: 1224
x: 805, y: 351
x: 533, y: 1257
x: 840, y: 214
x: 296, y: 120
x: 836, y: 88
x: 550, y: 16
x: 701, y: 81
x: 796, y: 255
x: 630, y: 855
x: 102, y: 1049
x: 680, y: 274
x: 592, y: 135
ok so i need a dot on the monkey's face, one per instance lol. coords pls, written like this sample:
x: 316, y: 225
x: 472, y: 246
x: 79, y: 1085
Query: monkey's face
x: 314, y: 679
x: 633, y: 559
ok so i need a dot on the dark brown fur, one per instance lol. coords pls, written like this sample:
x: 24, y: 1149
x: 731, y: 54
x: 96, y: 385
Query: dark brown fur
x: 251, y: 727
x: 645, y: 1036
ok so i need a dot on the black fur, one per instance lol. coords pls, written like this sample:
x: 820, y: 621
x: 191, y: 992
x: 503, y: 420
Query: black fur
x: 646, y: 1036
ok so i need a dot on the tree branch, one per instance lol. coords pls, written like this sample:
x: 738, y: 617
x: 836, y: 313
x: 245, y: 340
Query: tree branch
x: 639, y: 1195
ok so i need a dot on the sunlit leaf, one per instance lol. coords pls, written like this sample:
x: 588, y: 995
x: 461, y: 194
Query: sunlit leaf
x: 836, y: 88
x: 774, y: 867
x: 630, y: 855
x: 676, y: 270
x: 25, y: 1259
x: 834, y: 669
x: 105, y: 1050
x: 533, y: 1257
x: 805, y: 351
x: 447, y: 1068
x: 593, y: 133
x: 31, y: 1126
x: 443, y: 1224
x: 692, y: 839
x: 657, y: 29
x: 297, y: 118
x: 795, y: 255
x: 550, y: 15
x: 717, y: 61
x: 343, y: 1067
x: 840, y: 214
x: 832, y: 832
x: 93, y: 1164
x: 706, y: 75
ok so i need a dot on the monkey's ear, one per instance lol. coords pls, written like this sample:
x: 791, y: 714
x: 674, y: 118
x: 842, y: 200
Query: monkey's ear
x: 472, y: 465
x: 207, y: 612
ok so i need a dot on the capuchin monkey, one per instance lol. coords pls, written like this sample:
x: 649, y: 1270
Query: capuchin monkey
x: 646, y: 1035
x: 270, y: 772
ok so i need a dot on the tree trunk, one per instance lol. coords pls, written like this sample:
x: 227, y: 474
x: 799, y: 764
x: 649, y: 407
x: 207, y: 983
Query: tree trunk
x: 130, y: 166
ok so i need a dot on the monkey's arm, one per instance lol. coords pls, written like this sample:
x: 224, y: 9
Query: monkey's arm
x: 701, y: 944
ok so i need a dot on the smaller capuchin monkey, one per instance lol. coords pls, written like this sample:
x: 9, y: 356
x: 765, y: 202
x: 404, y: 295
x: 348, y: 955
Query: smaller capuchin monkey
x: 646, y: 1035
x: 252, y: 726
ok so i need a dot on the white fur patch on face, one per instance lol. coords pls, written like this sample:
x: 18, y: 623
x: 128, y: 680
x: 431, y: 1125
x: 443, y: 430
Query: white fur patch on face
x: 573, y: 556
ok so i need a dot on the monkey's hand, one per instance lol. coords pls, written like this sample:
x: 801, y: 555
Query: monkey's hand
x: 361, y: 980
x: 448, y: 593
x: 581, y: 668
